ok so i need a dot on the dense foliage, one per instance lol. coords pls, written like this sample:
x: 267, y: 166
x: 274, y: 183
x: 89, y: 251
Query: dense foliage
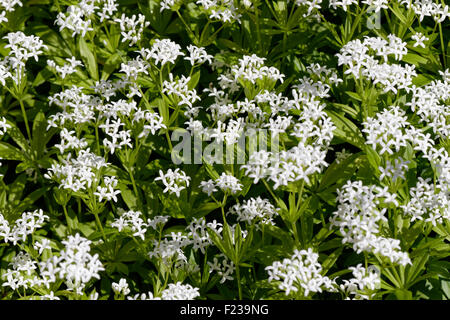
x: 114, y: 120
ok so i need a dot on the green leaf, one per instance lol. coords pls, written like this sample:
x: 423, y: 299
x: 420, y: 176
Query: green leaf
x: 18, y: 137
x: 217, y: 240
x: 403, y: 294
x: 280, y: 234
x: 26, y: 203
x: 373, y: 158
x: 88, y: 58
x: 228, y: 242
x: 111, y: 64
x: 52, y: 39
x: 330, y: 261
x: 340, y: 171
x: 194, y: 80
x: 354, y: 95
x: 346, y: 130
x: 298, y: 213
x: 39, y: 139
x: 128, y: 196
x: 414, y: 271
x: 204, y: 209
x: 43, y: 75
x: 347, y: 109
x: 8, y: 152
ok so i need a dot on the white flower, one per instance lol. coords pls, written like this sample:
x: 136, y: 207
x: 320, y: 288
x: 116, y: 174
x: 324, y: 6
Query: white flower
x: 174, y: 181
x: 356, y: 56
x: 419, y: 38
x: 10, y: 4
x: 198, y: 55
x: 223, y: 10
x: 75, y: 19
x: 66, y: 69
x: 168, y: 4
x: 121, y: 287
x: 108, y: 191
x: 133, y: 220
x: 252, y: 68
x: 179, y: 291
x: 227, y: 182
x: 162, y: 51
x: 198, y: 233
x: 41, y: 246
x: 180, y: 89
x: 158, y: 221
x: 74, y: 264
x: 300, y: 272
x: 50, y: 296
x: 359, y: 220
x: 22, y: 48
x: 343, y: 3
x: 363, y: 284
x: 22, y: 227
x: 3, y: 126
x: 386, y: 130
x: 224, y: 269
x: 428, y: 203
x: 255, y: 210
x: 208, y: 187
x: 132, y: 28
x: 258, y: 165
x: 134, y: 67
x: 76, y: 174
x: 394, y: 171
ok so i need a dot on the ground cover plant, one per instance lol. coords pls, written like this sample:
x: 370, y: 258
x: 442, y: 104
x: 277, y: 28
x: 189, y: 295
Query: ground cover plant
x: 220, y: 149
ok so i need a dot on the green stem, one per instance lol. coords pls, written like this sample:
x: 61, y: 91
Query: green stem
x: 217, y: 31
x: 99, y: 224
x: 444, y: 58
x: 168, y: 140
x: 189, y: 30
x: 270, y: 190
x: 203, y: 32
x: 25, y: 119
x: 258, y: 30
x: 133, y: 182
x: 67, y: 219
x: 295, y: 231
x: 238, y: 278
x: 97, y: 139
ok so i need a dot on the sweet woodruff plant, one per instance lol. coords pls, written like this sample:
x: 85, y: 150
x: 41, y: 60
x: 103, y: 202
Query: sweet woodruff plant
x: 320, y: 131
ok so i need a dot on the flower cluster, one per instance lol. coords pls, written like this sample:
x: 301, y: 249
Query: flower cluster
x: 8, y: 6
x: 363, y: 285
x: 22, y: 227
x: 300, y: 273
x: 225, y: 182
x: 133, y: 220
x: 22, y: 48
x: 359, y: 218
x: 162, y: 51
x: 74, y: 264
x: 66, y: 69
x: 174, y: 180
x: 255, y: 211
x: 132, y: 28
x: 252, y: 68
x: 428, y: 203
x: 360, y: 58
